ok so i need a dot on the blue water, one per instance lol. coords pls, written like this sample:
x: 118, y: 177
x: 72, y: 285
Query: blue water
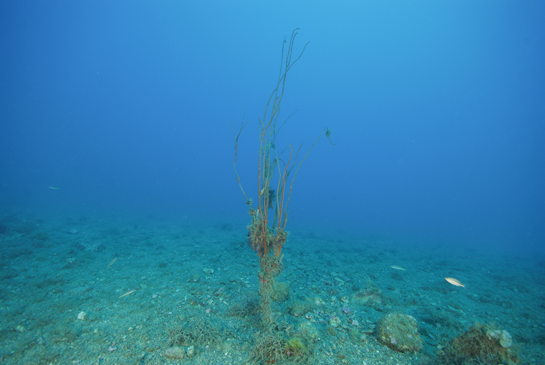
x: 127, y: 109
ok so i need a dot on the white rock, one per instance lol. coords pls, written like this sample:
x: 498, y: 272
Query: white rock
x: 82, y: 316
x: 505, y: 339
x: 502, y: 336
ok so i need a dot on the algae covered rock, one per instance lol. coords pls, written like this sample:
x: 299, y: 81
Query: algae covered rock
x: 299, y: 308
x: 399, y: 332
x: 308, y: 330
x: 296, y: 346
x: 481, y: 344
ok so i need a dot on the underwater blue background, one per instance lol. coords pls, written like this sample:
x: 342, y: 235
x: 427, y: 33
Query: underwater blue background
x: 437, y: 112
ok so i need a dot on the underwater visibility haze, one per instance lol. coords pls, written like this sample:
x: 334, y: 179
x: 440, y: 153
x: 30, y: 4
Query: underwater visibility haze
x: 386, y: 204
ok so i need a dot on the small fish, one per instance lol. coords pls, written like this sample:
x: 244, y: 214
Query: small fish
x: 397, y: 267
x: 54, y: 188
x: 455, y: 282
x: 127, y: 293
x: 111, y: 263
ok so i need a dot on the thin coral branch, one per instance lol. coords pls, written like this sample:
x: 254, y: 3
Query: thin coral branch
x: 242, y: 125
x: 266, y: 240
x: 296, y: 171
x: 284, y: 179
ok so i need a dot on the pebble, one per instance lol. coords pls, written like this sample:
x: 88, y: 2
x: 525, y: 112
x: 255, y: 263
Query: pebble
x: 335, y: 322
x: 190, y: 351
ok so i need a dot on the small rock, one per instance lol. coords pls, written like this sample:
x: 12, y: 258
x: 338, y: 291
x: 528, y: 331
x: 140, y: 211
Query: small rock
x: 194, y: 278
x: 335, y: 322
x: 308, y: 330
x: 82, y: 316
x: 174, y: 353
x: 190, y: 351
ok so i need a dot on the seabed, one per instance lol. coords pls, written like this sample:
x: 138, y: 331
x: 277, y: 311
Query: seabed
x: 83, y: 290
